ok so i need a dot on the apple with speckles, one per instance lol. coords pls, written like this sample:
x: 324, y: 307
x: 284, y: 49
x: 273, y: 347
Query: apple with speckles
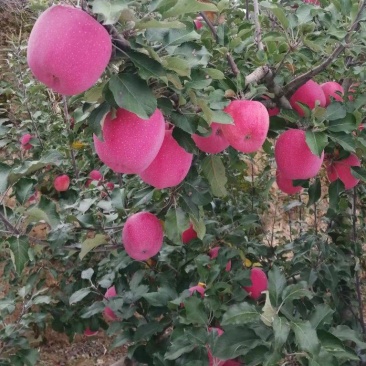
x: 61, y: 183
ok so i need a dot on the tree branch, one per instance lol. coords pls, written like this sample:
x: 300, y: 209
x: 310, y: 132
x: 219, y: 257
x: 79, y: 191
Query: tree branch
x: 9, y: 225
x: 293, y: 85
x: 258, y: 32
x: 120, y: 41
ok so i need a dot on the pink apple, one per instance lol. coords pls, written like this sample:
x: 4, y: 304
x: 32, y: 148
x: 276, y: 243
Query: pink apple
x: 130, y: 142
x: 332, y: 89
x: 142, y: 236
x: 71, y: 55
x: 315, y: 2
x: 96, y: 175
x: 286, y: 185
x: 214, y: 252
x: 200, y: 289
x: 250, y: 128
x: 24, y: 141
x: 308, y: 94
x: 198, y: 23
x: 259, y: 283
x: 214, y: 143
x: 294, y: 158
x: 271, y: 111
x: 89, y: 333
x: 189, y: 234
x: 61, y: 183
x: 170, y: 166
x: 110, y: 186
x: 109, y: 314
x: 341, y: 169
x: 232, y: 363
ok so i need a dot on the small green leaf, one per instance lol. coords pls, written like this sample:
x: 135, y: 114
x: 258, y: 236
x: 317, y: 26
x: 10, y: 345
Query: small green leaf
x: 281, y: 329
x: 132, y: 93
x: 276, y: 284
x: 147, y: 65
x: 359, y: 173
x: 79, y: 295
x: 4, y: 173
x: 322, y: 315
x: 87, y: 274
x: 214, y: 170
x: 268, y: 312
x: 215, y: 74
x: 177, y: 64
x: 195, y: 311
x: 176, y: 221
x: 240, y: 314
x: 23, y: 189
x: 19, y: 246
x: 91, y: 243
x: 296, y: 291
x: 343, y: 139
x: 315, y: 191
x: 335, y: 190
x: 188, y: 7
x: 316, y: 141
x: 153, y: 23
x: 146, y: 331
x: 96, y: 119
x: 184, y: 140
x: 345, y: 124
x: 110, y: 10
x: 336, y: 112
x: 306, y: 336
x: 277, y: 11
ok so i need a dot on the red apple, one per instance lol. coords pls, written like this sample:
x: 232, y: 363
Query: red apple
x: 250, y: 128
x: 170, y: 166
x: 142, y: 236
x: 130, y: 142
x: 294, y: 158
x: 71, y: 55
x: 109, y: 314
x: 24, y: 141
x: 332, y: 89
x: 200, y: 289
x: 341, y: 169
x: 89, y: 333
x: 308, y: 94
x: 189, y: 234
x: 94, y: 175
x: 110, y: 185
x: 214, y: 252
x: 61, y: 183
x: 315, y: 2
x: 271, y: 111
x: 213, y: 144
x: 259, y: 283
x: 286, y: 185
x: 198, y: 23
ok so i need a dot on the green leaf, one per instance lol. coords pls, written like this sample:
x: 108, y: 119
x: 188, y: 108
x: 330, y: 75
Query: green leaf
x: 46, y: 210
x: 87, y: 274
x: 214, y: 170
x: 79, y: 295
x: 89, y: 244
x: 195, y: 311
x: 277, y: 11
x: 110, y: 10
x: 4, y: 173
x: 189, y: 7
x: 281, y: 329
x: 148, y: 66
x: 344, y: 333
x: 240, y: 314
x: 132, y: 93
x: 335, y: 190
x: 323, y: 314
x: 153, y: 23
x: 336, y: 111
x: 222, y: 117
x: 19, y: 246
x: 345, y: 124
x: 276, y: 284
x: 187, y: 123
x: 179, y: 346
x: 215, y: 74
x: 184, y: 140
x: 316, y: 141
x: 296, y: 291
x: 161, y: 297
x: 315, y: 191
x: 146, y: 331
x: 343, y: 139
x: 359, y: 173
x: 306, y: 336
x: 176, y: 221
x: 23, y: 189
x: 177, y: 64
x: 268, y: 312
x: 96, y: 119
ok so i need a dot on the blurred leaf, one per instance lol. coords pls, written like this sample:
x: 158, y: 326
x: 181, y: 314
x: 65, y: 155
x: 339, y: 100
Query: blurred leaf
x: 315, y: 191
x: 185, y: 140
x: 276, y: 284
x: 296, y: 291
x: 322, y: 315
x: 335, y: 190
x: 91, y: 243
x: 316, y: 141
x: 336, y: 112
x: 195, y: 311
x: 240, y: 314
x: 359, y: 173
x: 79, y: 295
x: 343, y: 139
x: 87, y: 274
x: 189, y: 6
x: 4, y: 173
x: 306, y: 336
x: 268, y: 312
x: 214, y: 171
x: 19, y: 246
x: 175, y: 223
x: 281, y: 329
x: 23, y: 189
x: 153, y: 23
x: 146, y: 331
x: 149, y: 66
x: 96, y: 119
x: 177, y: 64
x: 110, y: 10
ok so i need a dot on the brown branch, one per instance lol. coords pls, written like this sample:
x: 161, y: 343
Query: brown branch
x: 258, y: 32
x: 257, y: 75
x: 9, y: 225
x: 294, y: 84
x: 280, y: 99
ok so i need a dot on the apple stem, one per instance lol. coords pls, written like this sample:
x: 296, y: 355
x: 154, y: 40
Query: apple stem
x: 67, y: 119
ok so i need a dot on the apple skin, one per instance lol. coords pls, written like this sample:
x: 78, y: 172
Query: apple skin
x: 294, y: 158
x: 170, y: 166
x: 109, y: 314
x: 130, y: 142
x: 259, y: 283
x: 213, y: 144
x: 271, y: 111
x: 286, y: 185
x: 198, y: 23
x: 71, y: 55
x: 142, y: 236
x: 330, y: 88
x: 24, y: 141
x: 250, y: 128
x: 89, y: 333
x: 214, y: 252
x: 315, y: 2
x: 214, y: 361
x: 96, y: 175
x: 341, y: 169
x: 199, y: 289
x: 61, y: 183
x: 307, y: 94
x: 189, y: 234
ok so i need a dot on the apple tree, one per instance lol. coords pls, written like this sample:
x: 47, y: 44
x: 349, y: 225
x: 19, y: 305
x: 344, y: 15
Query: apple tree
x: 186, y: 176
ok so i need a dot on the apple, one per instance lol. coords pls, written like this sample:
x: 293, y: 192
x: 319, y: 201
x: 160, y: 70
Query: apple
x: 259, y: 283
x: 341, y: 169
x: 232, y: 363
x: 315, y: 2
x: 214, y: 252
x: 200, y: 289
x: 130, y: 142
x: 271, y: 111
x: 214, y: 143
x: 293, y: 156
x: 61, y: 183
x: 198, y: 23
x: 309, y: 93
x: 170, y: 166
x: 189, y: 234
x: 286, y: 185
x: 89, y: 333
x: 109, y: 314
x: 24, y: 141
x: 94, y: 175
x: 250, y: 128
x: 142, y: 236
x: 110, y: 186
x: 214, y: 361
x: 332, y: 89
x: 71, y: 55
